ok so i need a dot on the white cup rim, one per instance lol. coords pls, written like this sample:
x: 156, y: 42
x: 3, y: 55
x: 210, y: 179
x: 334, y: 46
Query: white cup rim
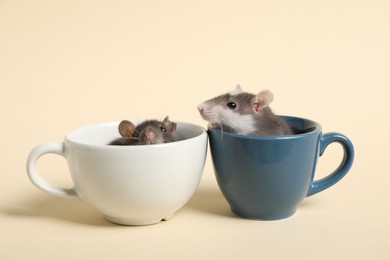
x: 85, y: 135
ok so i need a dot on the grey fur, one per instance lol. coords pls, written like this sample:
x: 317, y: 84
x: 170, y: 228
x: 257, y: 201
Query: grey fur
x: 266, y: 123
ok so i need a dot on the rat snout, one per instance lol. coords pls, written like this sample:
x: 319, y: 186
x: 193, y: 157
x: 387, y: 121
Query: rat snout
x: 201, y: 108
x: 149, y: 135
x: 206, y: 112
x: 204, y: 109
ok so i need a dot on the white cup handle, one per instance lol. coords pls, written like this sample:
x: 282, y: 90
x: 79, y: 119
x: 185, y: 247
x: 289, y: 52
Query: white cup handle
x: 35, y: 154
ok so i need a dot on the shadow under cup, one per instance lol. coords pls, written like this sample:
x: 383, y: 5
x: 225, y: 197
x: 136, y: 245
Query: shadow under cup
x: 267, y: 177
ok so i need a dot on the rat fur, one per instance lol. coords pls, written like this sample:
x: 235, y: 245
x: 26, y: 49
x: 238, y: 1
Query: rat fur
x: 148, y: 132
x: 244, y: 113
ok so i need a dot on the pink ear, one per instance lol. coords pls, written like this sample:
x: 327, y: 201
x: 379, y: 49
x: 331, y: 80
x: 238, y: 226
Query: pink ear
x: 256, y: 106
x: 170, y: 125
x: 262, y: 100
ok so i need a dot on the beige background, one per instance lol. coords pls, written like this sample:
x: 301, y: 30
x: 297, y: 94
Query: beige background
x: 64, y: 64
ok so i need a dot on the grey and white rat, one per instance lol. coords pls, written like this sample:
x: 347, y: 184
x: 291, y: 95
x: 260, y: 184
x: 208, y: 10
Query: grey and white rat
x: 148, y: 132
x: 244, y: 113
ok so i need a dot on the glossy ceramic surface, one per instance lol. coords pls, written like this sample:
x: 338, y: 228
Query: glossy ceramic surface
x: 266, y: 177
x: 130, y: 185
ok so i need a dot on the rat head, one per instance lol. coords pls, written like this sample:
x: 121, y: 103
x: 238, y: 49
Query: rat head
x: 148, y: 132
x: 236, y: 110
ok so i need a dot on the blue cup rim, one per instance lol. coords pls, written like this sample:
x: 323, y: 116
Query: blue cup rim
x: 290, y: 119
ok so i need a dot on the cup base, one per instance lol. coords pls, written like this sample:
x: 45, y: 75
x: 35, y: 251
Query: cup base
x: 137, y: 222
x: 261, y: 216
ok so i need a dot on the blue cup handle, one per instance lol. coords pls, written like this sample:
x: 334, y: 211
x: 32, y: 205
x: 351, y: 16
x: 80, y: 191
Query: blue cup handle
x: 344, y: 167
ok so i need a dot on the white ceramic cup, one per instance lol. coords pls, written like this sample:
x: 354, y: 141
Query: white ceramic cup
x: 130, y: 185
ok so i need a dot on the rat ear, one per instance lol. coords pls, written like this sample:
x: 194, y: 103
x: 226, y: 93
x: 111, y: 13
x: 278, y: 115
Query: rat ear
x: 237, y: 91
x: 170, y: 125
x: 262, y: 100
x: 126, y: 128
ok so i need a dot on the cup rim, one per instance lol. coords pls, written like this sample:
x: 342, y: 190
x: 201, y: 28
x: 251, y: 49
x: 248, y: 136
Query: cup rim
x: 69, y: 137
x: 318, y: 128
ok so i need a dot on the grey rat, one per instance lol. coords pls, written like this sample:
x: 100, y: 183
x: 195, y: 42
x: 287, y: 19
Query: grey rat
x: 148, y: 132
x: 244, y: 113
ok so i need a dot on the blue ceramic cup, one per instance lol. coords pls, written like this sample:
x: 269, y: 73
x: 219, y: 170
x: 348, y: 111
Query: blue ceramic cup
x: 267, y: 177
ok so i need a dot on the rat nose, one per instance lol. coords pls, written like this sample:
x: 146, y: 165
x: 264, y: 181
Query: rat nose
x: 200, y: 108
x: 149, y: 135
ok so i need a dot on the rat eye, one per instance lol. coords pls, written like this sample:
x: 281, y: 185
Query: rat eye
x: 163, y: 129
x: 231, y: 105
x: 136, y: 133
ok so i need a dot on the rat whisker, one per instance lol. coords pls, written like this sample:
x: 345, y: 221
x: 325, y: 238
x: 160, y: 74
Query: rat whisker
x: 219, y: 126
x: 219, y: 99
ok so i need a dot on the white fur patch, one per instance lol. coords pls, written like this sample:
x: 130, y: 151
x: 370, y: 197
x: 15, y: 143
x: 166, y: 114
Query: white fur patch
x: 237, y: 91
x: 244, y: 124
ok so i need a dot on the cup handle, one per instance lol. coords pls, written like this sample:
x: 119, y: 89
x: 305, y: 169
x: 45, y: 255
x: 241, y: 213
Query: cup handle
x: 344, y: 167
x: 36, y: 179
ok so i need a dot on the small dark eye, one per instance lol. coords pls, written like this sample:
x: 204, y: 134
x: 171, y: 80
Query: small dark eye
x: 231, y: 105
x: 163, y: 129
